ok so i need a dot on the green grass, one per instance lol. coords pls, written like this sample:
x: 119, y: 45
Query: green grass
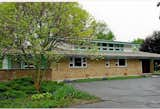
x: 156, y: 72
x: 19, y: 94
x: 109, y: 78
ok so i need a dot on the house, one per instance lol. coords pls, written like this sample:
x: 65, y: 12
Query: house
x: 96, y: 59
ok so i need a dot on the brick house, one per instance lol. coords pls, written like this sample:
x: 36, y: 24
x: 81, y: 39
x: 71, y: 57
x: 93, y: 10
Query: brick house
x: 111, y: 58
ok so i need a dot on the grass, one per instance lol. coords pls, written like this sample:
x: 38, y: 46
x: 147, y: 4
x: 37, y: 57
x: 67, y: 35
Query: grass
x: 109, y: 78
x: 156, y: 72
x: 19, y: 93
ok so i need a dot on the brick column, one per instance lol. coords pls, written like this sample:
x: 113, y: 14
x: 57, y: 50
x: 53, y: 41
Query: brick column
x: 151, y: 66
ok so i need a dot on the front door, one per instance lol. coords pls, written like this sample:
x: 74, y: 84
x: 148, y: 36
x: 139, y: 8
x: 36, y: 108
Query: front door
x: 146, y: 66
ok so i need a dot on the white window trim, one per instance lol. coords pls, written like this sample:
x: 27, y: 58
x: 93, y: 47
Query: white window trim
x: 107, y: 61
x: 73, y: 62
x: 122, y: 66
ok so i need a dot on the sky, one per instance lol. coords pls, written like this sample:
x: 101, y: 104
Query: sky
x: 127, y: 19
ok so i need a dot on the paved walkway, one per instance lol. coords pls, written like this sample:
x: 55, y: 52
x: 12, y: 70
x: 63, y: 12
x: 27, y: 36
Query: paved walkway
x: 137, y: 93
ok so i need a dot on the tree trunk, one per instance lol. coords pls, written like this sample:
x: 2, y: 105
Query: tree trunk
x: 37, y: 81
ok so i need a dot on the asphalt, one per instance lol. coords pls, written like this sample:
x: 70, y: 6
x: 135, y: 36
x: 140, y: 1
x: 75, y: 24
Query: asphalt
x: 130, y: 93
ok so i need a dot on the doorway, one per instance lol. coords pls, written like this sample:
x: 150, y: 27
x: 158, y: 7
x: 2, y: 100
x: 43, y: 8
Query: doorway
x: 146, y: 66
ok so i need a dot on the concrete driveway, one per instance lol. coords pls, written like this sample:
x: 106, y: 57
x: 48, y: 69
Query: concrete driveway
x: 130, y: 93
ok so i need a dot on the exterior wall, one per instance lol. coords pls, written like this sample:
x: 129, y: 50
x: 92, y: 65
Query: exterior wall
x: 151, y: 66
x: 8, y: 62
x: 128, y: 48
x: 17, y: 73
x: 95, y: 69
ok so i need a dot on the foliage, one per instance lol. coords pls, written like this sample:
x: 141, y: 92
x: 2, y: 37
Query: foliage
x: 152, y: 43
x: 157, y: 72
x: 67, y: 91
x: 103, y: 32
x: 33, y: 29
x: 17, y: 88
x: 41, y: 96
x: 28, y: 103
x: 13, y: 94
x: 50, y: 86
x: 138, y: 41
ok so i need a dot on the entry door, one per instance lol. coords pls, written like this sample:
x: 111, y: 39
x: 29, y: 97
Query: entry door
x: 146, y: 66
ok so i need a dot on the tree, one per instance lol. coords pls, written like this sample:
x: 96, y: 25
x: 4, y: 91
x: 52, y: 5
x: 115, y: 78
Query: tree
x: 103, y: 32
x: 34, y: 30
x: 152, y: 43
x: 138, y: 41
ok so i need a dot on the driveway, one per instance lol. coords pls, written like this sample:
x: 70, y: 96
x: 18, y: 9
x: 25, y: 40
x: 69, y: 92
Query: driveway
x: 137, y: 93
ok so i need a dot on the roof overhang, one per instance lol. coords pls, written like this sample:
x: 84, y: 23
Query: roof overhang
x: 113, y: 55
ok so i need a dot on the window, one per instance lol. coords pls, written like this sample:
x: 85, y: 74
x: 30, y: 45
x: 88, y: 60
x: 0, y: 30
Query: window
x: 28, y: 65
x: 99, y: 44
x: 107, y: 63
x: 78, y: 62
x: 117, y: 47
x: 110, y: 45
x: 104, y: 44
x: 122, y: 62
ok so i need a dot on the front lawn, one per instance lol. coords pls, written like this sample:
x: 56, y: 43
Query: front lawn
x: 20, y: 93
x: 108, y: 78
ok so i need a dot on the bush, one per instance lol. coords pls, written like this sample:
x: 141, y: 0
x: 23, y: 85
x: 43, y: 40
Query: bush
x: 16, y: 94
x: 41, y: 96
x: 17, y: 88
x: 68, y: 91
x: 3, y: 87
x: 28, y: 89
x: 157, y: 72
x: 47, y: 103
x: 11, y: 94
x: 63, y: 92
x: 50, y: 86
x: 24, y: 81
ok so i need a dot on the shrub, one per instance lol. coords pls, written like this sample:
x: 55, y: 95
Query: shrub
x: 68, y: 91
x: 50, y: 86
x: 157, y: 72
x: 17, y: 88
x: 3, y: 87
x: 63, y: 92
x: 23, y: 81
x: 30, y: 89
x: 11, y: 94
x: 41, y: 96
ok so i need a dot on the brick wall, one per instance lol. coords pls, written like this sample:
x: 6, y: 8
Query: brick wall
x: 96, y: 69
x: 17, y: 73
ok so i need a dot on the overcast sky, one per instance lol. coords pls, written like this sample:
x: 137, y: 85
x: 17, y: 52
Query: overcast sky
x: 128, y: 19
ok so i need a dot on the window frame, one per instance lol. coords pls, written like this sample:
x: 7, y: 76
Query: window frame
x: 117, y: 64
x: 29, y: 66
x: 72, y: 61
